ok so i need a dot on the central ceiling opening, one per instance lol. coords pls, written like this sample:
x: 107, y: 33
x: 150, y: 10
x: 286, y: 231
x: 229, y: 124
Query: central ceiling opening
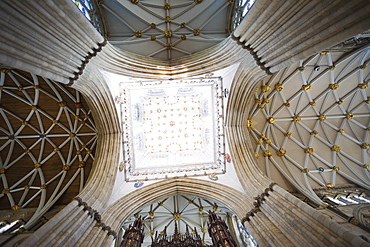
x: 172, y: 128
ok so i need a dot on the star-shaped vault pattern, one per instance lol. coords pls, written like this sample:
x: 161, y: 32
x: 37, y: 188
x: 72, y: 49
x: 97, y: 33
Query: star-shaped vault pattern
x: 310, y: 123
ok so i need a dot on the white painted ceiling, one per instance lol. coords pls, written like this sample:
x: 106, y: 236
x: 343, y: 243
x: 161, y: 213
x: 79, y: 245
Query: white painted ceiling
x: 310, y: 123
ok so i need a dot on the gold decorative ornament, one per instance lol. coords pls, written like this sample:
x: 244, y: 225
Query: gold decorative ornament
x: 168, y: 33
x: 324, y: 52
x: 37, y: 165
x: 56, y: 149
x: 26, y: 151
x: 196, y: 32
x: 266, y: 88
x: 335, y: 168
x: 297, y: 119
x: 198, y: 1
x: 306, y: 88
x: 168, y: 19
x: 2, y: 171
x: 88, y: 151
x: 153, y: 37
x: 266, y: 100
x: 288, y: 134
x: 5, y: 70
x: 183, y: 37
x: 6, y: 191
x: 301, y: 68
x: 81, y: 164
x: 100, y: 2
x: 363, y: 85
x: 78, y: 152
x: 72, y: 134
x: 76, y: 117
x: 279, y: 87
x: 138, y: 34
x: 20, y: 89
x: 151, y: 233
x: 261, y: 106
x: 332, y: 67
x: 135, y: 1
x: 314, y: 132
x: 262, y: 136
x: 322, y: 117
x: 341, y: 131
x: 151, y: 219
x: 55, y: 121
x: 43, y: 186
x: 34, y: 107
x: 365, y: 145
x: 367, y: 101
x: 66, y: 168
x: 183, y: 24
x: 350, y: 115
x: 366, y: 166
x: 204, y: 230
x: 258, y: 100
x: 267, y: 153
x: 26, y: 187
x: 363, y: 66
x: 305, y: 170
x: 136, y: 215
x: 340, y: 102
x: 200, y: 209
x: 313, y: 103
x: 271, y: 120
x: 176, y: 216
x: 36, y: 87
x: 16, y: 207
x: 62, y: 104
x: 24, y: 122
x: 334, y: 86
x: 78, y: 104
x: 169, y: 46
x: 249, y: 123
x: 309, y: 150
x: 287, y: 104
x: 330, y: 185
x: 151, y: 213
x: 1, y: 88
x: 281, y: 152
x: 268, y: 141
x: 335, y: 148
x: 257, y: 155
x: 167, y: 6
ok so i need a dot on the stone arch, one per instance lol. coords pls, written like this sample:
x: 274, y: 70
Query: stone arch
x: 229, y: 197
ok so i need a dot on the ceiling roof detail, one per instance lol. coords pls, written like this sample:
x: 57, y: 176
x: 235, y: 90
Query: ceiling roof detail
x: 47, y: 140
x: 310, y: 123
x: 166, y: 29
x: 173, y: 128
x: 181, y: 210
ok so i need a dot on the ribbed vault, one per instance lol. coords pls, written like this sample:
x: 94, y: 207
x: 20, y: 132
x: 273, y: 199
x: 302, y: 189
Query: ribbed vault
x: 310, y: 123
x: 47, y: 142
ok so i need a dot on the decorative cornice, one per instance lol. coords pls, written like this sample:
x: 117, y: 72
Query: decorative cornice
x: 85, y: 62
x: 97, y: 217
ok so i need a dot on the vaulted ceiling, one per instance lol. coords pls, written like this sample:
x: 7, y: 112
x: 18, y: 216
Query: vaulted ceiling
x: 166, y: 29
x: 47, y: 142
